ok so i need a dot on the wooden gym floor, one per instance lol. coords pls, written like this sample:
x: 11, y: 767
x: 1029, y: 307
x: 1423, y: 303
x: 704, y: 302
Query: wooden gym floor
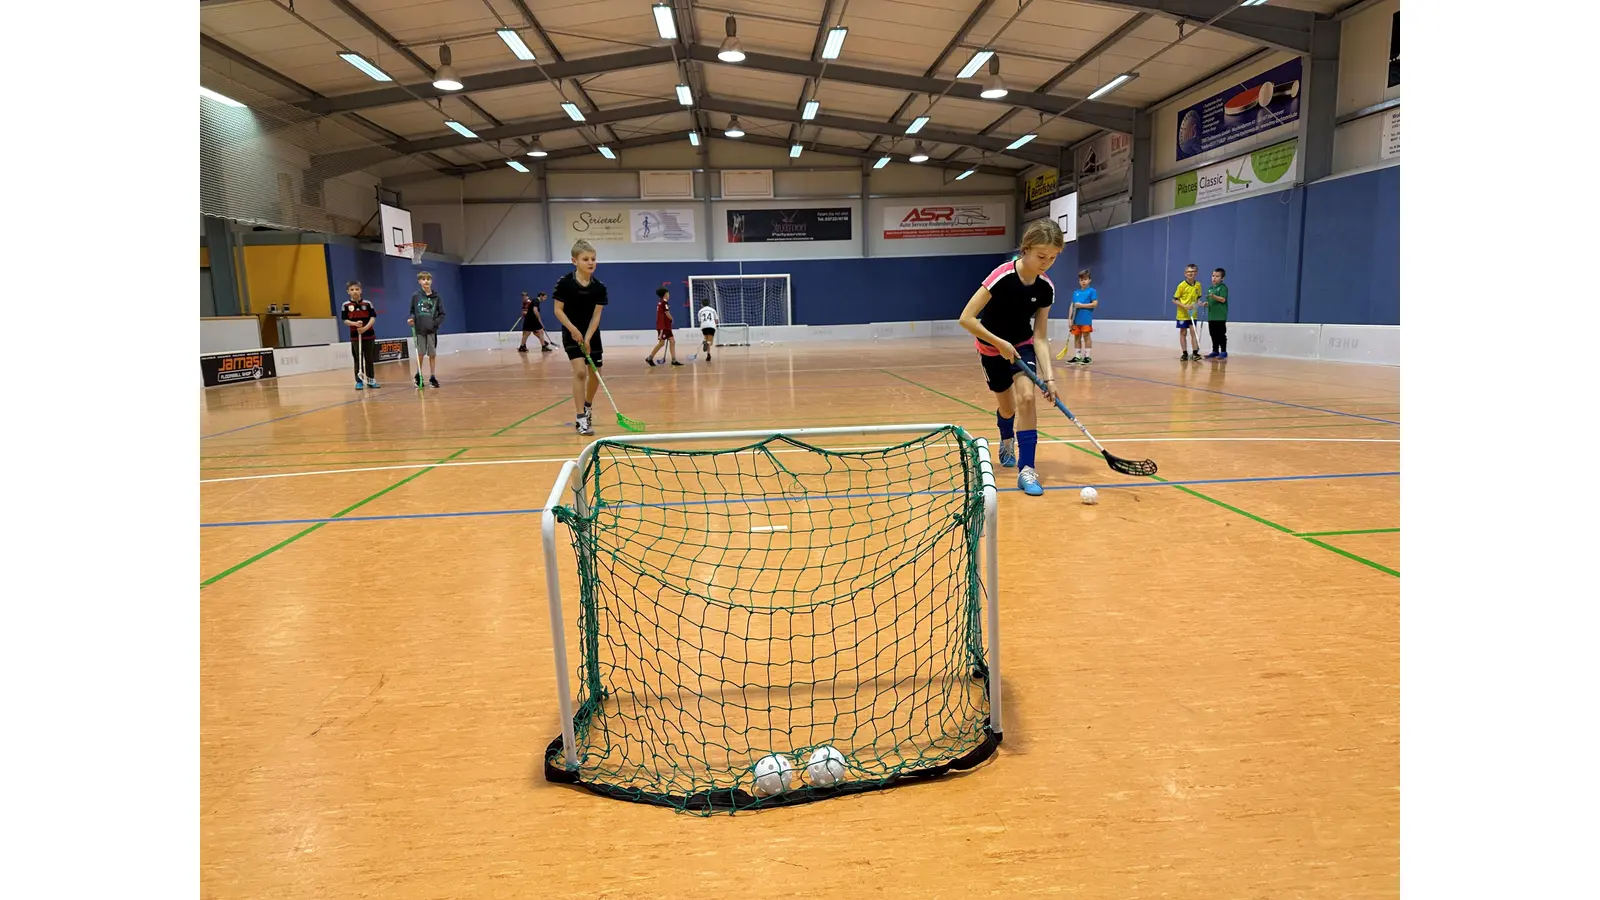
x: 1201, y: 673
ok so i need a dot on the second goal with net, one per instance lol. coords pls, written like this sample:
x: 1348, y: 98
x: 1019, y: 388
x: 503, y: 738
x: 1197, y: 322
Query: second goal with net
x: 743, y: 302
x: 764, y: 621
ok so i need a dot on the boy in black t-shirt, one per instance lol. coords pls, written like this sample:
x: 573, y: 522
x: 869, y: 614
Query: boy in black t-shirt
x: 580, y: 299
x: 363, y: 318
x: 533, y: 324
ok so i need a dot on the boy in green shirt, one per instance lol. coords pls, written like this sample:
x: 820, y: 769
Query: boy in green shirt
x: 1217, y: 304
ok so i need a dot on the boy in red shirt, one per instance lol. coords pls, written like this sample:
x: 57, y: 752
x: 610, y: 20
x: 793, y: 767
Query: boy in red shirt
x: 663, y: 330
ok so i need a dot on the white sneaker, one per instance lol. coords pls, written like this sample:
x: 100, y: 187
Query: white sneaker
x: 584, y: 426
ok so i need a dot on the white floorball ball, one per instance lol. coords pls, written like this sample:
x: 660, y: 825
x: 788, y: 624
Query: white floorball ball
x: 1089, y: 496
x: 772, y: 775
x: 825, y: 768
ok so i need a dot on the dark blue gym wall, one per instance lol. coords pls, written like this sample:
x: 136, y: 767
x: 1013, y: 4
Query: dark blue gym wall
x: 389, y: 282
x: 825, y: 291
x: 1350, y: 267
x: 1328, y: 253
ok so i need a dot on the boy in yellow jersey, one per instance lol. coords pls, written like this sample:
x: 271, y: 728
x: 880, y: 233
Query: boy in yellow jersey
x: 1187, y: 299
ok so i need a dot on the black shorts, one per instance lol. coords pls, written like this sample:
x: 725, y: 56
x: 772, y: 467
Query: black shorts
x: 531, y: 323
x: 596, y: 349
x: 708, y: 332
x: 999, y: 371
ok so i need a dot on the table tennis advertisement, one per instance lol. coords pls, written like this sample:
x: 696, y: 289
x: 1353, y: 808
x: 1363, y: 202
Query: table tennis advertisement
x: 1240, y: 110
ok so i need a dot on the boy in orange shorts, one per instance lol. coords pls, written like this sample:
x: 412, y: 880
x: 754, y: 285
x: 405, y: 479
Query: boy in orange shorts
x: 1084, y: 301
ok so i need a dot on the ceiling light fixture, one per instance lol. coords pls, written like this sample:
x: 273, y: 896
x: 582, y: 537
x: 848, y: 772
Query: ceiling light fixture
x: 572, y: 110
x: 1113, y: 84
x: 995, y: 88
x: 734, y: 131
x: 518, y: 166
x: 666, y: 25
x: 731, y: 50
x: 684, y: 95
x: 919, y: 155
x: 445, y: 79
x: 514, y: 42
x: 607, y: 152
x: 459, y: 128
x: 1017, y: 144
x: 975, y: 63
x: 830, y: 50
x: 916, y: 124
x: 810, y: 112
x: 225, y: 101
x: 366, y: 66
x: 536, y: 150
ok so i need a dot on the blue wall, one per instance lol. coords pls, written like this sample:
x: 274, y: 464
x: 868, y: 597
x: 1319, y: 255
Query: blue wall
x: 825, y: 291
x: 1327, y: 253
x: 389, y: 282
x: 1350, y: 271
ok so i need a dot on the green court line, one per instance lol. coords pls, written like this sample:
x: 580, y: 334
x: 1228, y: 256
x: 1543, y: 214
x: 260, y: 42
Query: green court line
x: 1183, y: 488
x: 1312, y: 534
x: 1360, y: 559
x: 341, y: 513
x: 529, y: 416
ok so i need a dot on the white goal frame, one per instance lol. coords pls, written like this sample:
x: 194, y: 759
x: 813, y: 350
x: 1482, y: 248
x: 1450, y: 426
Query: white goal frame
x: 989, y: 570
x: 726, y: 325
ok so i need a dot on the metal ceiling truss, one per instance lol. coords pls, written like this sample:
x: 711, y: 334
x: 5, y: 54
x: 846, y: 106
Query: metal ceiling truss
x: 809, y: 89
x: 351, y: 160
x: 1274, y: 26
x: 1091, y: 112
x: 977, y: 14
x: 1033, y: 152
x: 1109, y: 116
x: 273, y: 75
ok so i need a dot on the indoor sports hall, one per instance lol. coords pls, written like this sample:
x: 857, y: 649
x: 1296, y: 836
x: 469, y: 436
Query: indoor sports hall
x: 781, y: 613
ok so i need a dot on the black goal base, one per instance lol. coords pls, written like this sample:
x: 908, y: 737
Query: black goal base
x: 734, y: 799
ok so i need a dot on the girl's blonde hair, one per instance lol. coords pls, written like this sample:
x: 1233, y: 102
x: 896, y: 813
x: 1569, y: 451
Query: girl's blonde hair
x: 1043, y: 232
x: 581, y: 247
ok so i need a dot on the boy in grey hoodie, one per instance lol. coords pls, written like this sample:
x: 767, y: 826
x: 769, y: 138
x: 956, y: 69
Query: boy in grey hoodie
x: 425, y: 317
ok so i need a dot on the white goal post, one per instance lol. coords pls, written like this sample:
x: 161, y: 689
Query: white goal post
x: 570, y: 489
x: 743, y: 302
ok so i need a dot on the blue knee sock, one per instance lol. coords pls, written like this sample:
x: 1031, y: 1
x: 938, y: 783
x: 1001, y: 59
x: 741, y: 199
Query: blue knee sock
x: 1005, y: 425
x: 1025, y: 444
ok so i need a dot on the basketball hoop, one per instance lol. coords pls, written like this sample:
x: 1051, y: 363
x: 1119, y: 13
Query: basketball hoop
x: 417, y: 249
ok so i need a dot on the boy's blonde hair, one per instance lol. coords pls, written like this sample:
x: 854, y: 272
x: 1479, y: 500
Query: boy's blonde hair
x: 581, y: 247
x: 424, y: 274
x: 1043, y: 232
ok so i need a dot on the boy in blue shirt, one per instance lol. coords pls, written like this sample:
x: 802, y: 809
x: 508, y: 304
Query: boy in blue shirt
x: 1084, y: 301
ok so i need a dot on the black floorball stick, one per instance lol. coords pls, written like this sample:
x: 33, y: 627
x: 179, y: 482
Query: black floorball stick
x: 1117, y: 463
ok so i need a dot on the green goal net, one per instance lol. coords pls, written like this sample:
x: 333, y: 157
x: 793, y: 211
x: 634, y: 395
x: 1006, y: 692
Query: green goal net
x: 776, y: 622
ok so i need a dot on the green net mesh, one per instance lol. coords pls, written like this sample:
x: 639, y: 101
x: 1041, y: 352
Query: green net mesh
x: 776, y: 598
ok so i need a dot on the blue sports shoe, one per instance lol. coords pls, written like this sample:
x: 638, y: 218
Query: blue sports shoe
x: 1028, y: 481
x: 360, y: 386
x: 1008, y: 453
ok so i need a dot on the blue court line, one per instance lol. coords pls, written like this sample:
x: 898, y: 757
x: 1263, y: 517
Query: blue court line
x: 1243, y: 397
x: 540, y: 510
x: 304, y: 412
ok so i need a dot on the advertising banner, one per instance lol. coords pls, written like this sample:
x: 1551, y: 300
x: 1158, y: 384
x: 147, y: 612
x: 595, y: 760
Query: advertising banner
x: 944, y: 221
x: 1263, y: 101
x: 232, y: 368
x: 1263, y: 168
x: 766, y: 226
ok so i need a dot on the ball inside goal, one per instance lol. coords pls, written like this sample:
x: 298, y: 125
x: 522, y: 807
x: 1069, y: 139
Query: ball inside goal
x: 774, y: 622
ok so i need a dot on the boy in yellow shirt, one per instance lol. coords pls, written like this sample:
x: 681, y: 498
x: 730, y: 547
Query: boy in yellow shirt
x: 1187, y: 299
